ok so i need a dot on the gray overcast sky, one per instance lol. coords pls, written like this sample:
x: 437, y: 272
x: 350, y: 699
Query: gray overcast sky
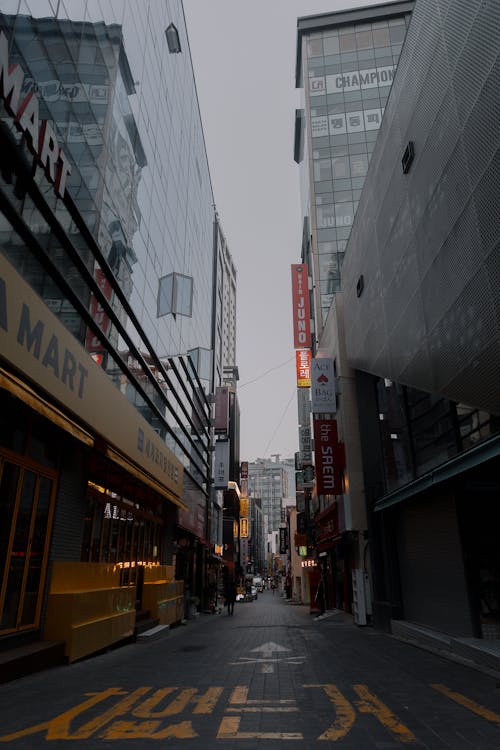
x: 244, y: 60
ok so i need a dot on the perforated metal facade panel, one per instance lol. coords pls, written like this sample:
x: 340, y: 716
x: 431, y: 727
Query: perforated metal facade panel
x: 428, y: 242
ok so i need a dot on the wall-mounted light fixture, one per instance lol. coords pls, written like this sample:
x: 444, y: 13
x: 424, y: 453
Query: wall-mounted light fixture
x: 408, y: 157
x: 173, y: 41
x: 360, y: 286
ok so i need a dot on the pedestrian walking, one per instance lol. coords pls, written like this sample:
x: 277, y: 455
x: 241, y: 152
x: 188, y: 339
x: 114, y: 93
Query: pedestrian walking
x: 230, y: 597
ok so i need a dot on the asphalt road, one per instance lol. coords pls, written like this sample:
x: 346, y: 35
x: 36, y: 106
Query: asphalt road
x: 269, y: 677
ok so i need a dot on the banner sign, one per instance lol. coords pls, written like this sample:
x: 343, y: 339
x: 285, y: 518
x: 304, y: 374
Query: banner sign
x: 328, y: 456
x: 221, y: 468
x: 244, y: 470
x: 38, y: 345
x: 283, y: 540
x: 354, y: 80
x: 346, y: 122
x: 304, y: 407
x: 305, y: 445
x: 301, y: 310
x: 303, y: 364
x: 39, y: 135
x: 323, y: 386
x: 221, y: 420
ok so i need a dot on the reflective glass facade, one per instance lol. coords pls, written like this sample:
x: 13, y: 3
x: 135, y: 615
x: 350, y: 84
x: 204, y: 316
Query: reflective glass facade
x: 348, y: 70
x: 126, y: 258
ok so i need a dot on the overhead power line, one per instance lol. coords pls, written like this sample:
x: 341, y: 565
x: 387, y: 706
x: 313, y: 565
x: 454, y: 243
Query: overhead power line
x: 263, y: 375
x: 294, y: 390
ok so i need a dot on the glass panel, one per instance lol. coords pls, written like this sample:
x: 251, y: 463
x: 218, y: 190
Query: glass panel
x: 18, y: 553
x: 331, y: 45
x: 35, y: 562
x: 183, y: 294
x: 381, y: 37
x: 347, y: 42
x: 8, y: 488
x: 13, y: 425
x: 96, y: 535
x: 165, y: 292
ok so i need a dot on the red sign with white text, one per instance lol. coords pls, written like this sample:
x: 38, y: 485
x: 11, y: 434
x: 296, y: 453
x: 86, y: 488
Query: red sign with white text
x: 300, y: 303
x: 92, y: 343
x: 328, y: 457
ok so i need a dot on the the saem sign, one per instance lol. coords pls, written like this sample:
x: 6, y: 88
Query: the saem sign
x: 40, y: 136
x: 329, y: 457
x: 301, y: 312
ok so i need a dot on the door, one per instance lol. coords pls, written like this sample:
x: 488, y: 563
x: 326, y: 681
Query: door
x: 26, y: 509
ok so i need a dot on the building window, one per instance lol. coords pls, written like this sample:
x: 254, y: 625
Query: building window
x: 202, y: 362
x: 175, y: 295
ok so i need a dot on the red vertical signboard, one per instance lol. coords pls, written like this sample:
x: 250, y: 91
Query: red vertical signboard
x: 301, y: 311
x: 328, y: 457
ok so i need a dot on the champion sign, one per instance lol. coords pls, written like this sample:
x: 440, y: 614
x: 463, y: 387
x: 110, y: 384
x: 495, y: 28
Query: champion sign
x: 300, y: 302
x: 40, y: 136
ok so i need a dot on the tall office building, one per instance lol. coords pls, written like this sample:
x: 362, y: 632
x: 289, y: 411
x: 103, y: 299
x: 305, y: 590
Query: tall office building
x: 345, y: 65
x: 413, y: 334
x: 268, y: 480
x: 108, y: 356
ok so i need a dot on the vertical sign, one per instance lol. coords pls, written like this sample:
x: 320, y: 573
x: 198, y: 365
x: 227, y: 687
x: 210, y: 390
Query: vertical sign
x: 323, y: 386
x: 244, y: 470
x: 300, y: 303
x: 221, y: 421
x: 303, y: 362
x: 329, y: 457
x: 283, y: 540
x: 304, y: 407
x: 221, y: 468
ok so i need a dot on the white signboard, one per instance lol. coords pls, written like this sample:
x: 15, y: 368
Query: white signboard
x: 359, y: 79
x: 305, y: 445
x: 304, y: 406
x: 221, y: 467
x: 346, y: 122
x: 323, y: 386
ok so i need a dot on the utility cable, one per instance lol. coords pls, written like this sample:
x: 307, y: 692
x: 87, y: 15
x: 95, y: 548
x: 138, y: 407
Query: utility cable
x: 271, y: 369
x: 279, y: 423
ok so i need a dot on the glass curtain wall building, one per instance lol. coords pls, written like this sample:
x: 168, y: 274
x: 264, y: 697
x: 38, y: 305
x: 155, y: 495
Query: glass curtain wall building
x: 345, y: 63
x: 107, y: 234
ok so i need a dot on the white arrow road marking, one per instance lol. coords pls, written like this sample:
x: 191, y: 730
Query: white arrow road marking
x: 266, y: 659
x: 269, y: 647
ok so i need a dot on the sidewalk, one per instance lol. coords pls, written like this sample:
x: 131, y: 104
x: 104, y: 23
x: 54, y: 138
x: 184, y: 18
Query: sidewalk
x: 480, y: 653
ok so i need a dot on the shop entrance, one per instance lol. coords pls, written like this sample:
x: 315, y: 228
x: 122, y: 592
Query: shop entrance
x: 27, y: 495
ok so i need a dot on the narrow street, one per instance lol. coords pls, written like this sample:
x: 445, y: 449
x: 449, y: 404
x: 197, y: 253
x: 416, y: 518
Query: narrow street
x: 271, y: 676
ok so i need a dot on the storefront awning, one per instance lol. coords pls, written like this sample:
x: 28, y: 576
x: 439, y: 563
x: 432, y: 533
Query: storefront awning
x: 479, y: 454
x: 22, y: 391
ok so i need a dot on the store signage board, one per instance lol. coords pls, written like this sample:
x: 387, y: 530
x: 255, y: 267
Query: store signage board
x: 34, y: 340
x: 323, y: 398
x: 40, y: 136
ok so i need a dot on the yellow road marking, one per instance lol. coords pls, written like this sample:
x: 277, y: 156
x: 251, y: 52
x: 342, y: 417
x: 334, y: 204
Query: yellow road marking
x: 344, y: 711
x: 262, y: 709
x: 125, y: 730
x: 482, y: 711
x: 239, y: 696
x: 229, y: 730
x: 370, y: 704
x: 145, y: 709
x: 205, y: 703
x: 120, y: 708
x: 58, y: 728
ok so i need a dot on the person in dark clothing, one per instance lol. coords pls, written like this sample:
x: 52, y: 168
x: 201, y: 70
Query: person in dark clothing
x: 230, y: 597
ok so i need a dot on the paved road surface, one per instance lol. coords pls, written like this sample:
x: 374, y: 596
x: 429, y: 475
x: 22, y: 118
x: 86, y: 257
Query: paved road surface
x: 268, y: 678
